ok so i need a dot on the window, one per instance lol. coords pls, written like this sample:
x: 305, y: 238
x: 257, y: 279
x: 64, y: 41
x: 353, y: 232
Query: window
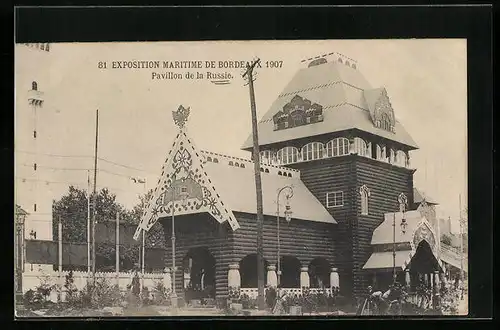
x: 392, y: 156
x: 288, y: 155
x: 266, y: 157
x: 360, y: 147
x: 334, y: 199
x: 364, y: 193
x: 337, y: 147
x: 381, y: 154
x: 313, y: 150
x: 34, y: 86
x: 47, y: 47
x: 401, y: 158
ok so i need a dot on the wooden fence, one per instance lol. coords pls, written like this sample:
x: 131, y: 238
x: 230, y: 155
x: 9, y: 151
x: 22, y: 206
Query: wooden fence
x: 32, y: 279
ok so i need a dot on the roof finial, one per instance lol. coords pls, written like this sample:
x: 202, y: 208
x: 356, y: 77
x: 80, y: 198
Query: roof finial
x: 181, y: 116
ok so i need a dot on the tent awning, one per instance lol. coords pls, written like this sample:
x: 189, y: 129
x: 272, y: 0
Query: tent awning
x: 380, y: 260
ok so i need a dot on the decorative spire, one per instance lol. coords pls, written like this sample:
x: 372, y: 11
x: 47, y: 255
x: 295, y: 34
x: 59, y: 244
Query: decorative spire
x: 181, y: 116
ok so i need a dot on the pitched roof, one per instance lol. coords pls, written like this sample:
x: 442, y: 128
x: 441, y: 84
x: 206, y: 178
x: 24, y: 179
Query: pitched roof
x: 383, y: 234
x: 221, y: 188
x: 236, y: 186
x: 419, y: 197
x: 345, y: 96
x: 452, y: 257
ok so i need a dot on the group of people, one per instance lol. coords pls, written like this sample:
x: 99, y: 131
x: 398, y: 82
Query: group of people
x: 389, y: 302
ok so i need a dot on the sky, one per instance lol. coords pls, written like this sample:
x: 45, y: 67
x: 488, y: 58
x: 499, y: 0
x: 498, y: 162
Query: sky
x: 426, y: 81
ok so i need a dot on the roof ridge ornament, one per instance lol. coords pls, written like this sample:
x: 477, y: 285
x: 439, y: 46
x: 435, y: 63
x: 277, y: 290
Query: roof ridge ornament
x: 181, y: 116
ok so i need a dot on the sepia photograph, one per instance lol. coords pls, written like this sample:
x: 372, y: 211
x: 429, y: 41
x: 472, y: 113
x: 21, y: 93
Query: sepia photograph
x: 241, y: 178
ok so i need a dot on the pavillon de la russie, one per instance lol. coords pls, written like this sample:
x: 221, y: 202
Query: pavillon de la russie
x: 336, y: 141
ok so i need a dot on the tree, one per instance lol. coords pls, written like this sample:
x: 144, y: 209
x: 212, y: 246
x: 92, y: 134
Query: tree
x: 155, y: 237
x: 445, y: 239
x: 72, y: 210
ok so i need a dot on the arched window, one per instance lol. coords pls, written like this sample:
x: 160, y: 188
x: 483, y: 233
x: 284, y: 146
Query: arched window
x: 337, y: 147
x: 381, y: 153
x: 392, y: 156
x: 288, y: 155
x: 209, y: 159
x: 266, y: 157
x: 34, y: 86
x: 361, y: 147
x: 312, y: 150
x: 364, y: 193
x: 401, y: 158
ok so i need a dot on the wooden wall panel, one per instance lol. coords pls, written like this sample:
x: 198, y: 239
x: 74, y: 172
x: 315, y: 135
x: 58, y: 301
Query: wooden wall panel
x: 385, y: 182
x: 328, y: 175
x: 194, y: 231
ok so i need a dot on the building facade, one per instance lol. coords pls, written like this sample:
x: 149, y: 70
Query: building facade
x: 332, y: 137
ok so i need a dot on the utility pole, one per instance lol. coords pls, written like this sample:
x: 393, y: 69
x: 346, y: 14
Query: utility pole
x: 117, y: 249
x: 258, y: 186
x: 88, y: 224
x: 95, y: 194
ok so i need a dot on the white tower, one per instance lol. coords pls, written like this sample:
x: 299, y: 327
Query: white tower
x: 32, y: 69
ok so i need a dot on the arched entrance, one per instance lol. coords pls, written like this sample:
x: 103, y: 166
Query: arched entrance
x: 422, y: 265
x: 199, y: 274
x: 248, y: 271
x: 319, y: 273
x: 290, y: 272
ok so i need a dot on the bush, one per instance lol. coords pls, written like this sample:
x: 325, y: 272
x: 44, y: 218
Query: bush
x: 161, y: 294
x: 271, y: 296
x: 98, y: 295
x: 38, y: 298
x: 71, y: 289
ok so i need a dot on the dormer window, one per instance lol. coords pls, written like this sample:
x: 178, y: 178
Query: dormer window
x: 34, y: 86
x: 298, y: 112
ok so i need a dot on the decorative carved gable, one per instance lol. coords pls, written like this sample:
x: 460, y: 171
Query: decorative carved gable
x: 298, y: 112
x: 383, y: 113
x: 425, y: 232
x: 185, y: 186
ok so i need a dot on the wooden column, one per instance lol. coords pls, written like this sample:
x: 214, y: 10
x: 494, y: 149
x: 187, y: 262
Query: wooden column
x: 304, y: 277
x: 272, y: 279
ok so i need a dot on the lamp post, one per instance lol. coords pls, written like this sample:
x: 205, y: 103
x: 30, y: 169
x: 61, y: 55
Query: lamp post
x: 403, y: 201
x: 143, y: 243
x: 19, y: 238
x: 288, y: 217
x: 183, y: 194
x: 463, y: 224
